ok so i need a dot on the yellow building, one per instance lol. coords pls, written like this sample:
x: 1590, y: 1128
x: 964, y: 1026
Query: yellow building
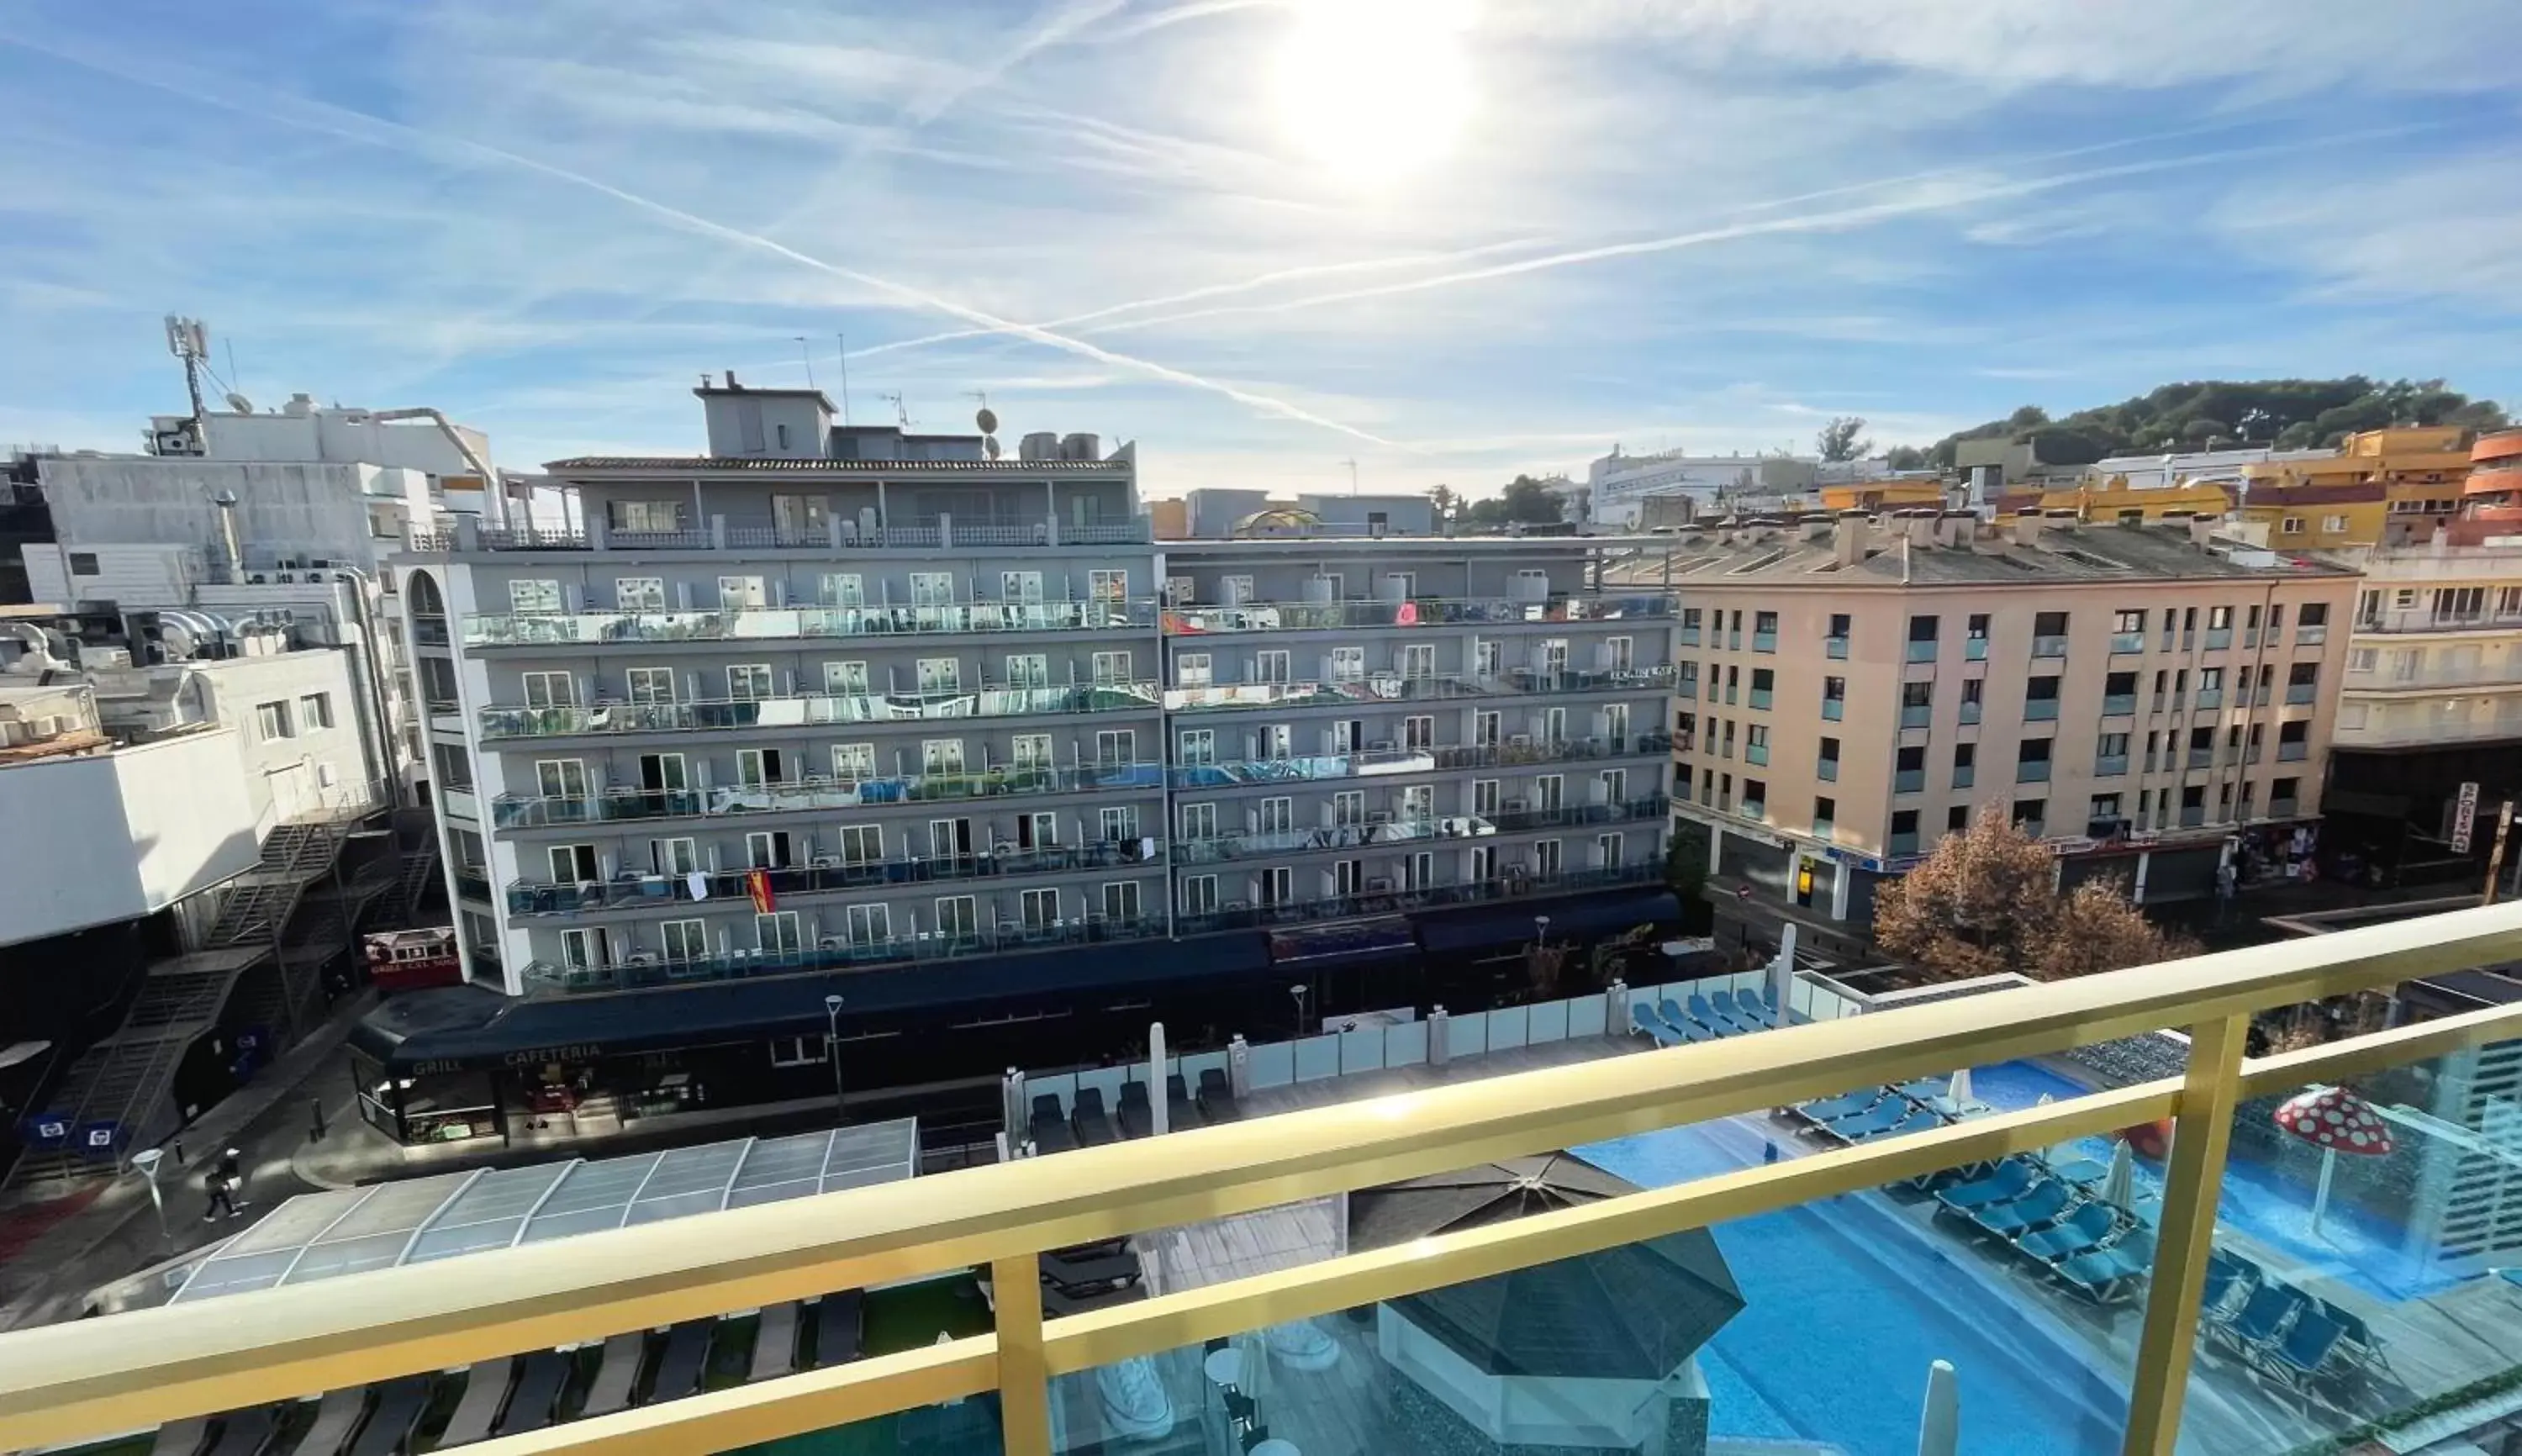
x: 2114, y: 501
x: 1882, y: 494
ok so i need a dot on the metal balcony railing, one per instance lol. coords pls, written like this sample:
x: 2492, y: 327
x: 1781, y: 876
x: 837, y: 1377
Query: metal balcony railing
x: 812, y: 709
x: 2119, y: 704
x: 83, y: 1380
x: 2033, y: 772
x: 2051, y: 646
x: 528, y: 897
x: 639, y: 969
x: 2040, y: 710
x: 1379, y: 763
x: 1418, y: 611
x: 1386, y: 689
x: 801, y: 623
x: 2298, y: 694
x: 1514, y: 885
x: 2110, y: 765
x: 528, y: 811
x: 1409, y: 833
x: 2128, y: 641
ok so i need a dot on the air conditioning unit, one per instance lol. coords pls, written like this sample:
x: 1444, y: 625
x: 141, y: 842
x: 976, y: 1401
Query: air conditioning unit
x: 1380, y: 883
x: 829, y: 943
x: 1379, y: 815
x: 287, y: 577
x: 1519, y: 741
x: 258, y: 578
x: 1381, y: 745
x: 1515, y: 806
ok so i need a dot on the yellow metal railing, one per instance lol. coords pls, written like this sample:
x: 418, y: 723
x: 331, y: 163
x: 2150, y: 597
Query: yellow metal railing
x: 71, y: 1382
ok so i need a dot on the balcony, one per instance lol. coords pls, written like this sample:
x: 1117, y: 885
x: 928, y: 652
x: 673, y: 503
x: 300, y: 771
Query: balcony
x: 2219, y: 638
x: 2210, y: 697
x: 2312, y: 637
x: 1514, y: 884
x: 1734, y: 640
x: 2119, y: 704
x: 472, y: 883
x: 640, y: 971
x: 1686, y: 687
x: 1974, y: 650
x: 802, y: 624
x: 1765, y: 642
x: 2420, y: 621
x: 2040, y: 710
x: 839, y: 534
x: 1899, y: 844
x: 1972, y: 712
x: 2420, y: 676
x: 2110, y: 765
x: 1965, y: 775
x: 2298, y: 694
x: 1827, y: 771
x: 1409, y: 833
x: 528, y: 811
x: 2069, y: 1386
x: 665, y: 892
x: 2126, y: 642
x: 1756, y: 810
x: 2292, y: 753
x: 815, y: 710
x: 2201, y: 758
x: 429, y: 631
x: 2049, y: 646
x: 1757, y: 754
x: 1384, y: 690
x: 1381, y: 763
x: 1833, y: 709
x: 1834, y: 648
x: 1422, y: 611
x: 1761, y: 697
x: 2035, y: 773
x: 2192, y: 816
x: 1923, y: 651
x: 1689, y: 635
x: 1916, y: 715
x: 1909, y: 781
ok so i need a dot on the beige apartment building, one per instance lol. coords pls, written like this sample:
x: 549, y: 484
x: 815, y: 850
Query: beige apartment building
x: 2153, y: 701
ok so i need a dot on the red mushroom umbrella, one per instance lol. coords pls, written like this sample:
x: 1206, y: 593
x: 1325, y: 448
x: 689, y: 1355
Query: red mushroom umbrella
x: 2335, y: 1121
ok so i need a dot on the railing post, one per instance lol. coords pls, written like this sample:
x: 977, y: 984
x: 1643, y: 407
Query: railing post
x: 2191, y: 1181
x: 1024, y: 1374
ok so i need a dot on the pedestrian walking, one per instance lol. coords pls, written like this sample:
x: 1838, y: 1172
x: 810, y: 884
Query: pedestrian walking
x: 232, y: 1171
x: 222, y: 1203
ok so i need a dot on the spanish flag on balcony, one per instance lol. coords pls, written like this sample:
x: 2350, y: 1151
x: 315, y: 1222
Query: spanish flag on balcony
x: 757, y: 883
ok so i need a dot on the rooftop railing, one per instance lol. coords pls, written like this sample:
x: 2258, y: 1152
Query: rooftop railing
x: 815, y: 709
x: 789, y: 623
x: 1416, y: 611
x: 90, y: 1379
x: 1396, y: 687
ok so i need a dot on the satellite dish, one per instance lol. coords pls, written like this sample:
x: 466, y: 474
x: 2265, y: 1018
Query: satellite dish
x: 990, y: 444
x: 240, y: 404
x: 988, y: 420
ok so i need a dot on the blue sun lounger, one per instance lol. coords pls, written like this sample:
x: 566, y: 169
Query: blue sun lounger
x: 1882, y: 1117
x: 2265, y: 1317
x: 2083, y: 1230
x: 2047, y: 1199
x: 2109, y: 1275
x: 2012, y: 1179
x: 1747, y: 1008
x: 1916, y: 1120
x: 1833, y: 1108
x: 2310, y: 1351
x: 1679, y: 1021
x: 1645, y: 1023
x: 1708, y: 1015
x: 2230, y: 1279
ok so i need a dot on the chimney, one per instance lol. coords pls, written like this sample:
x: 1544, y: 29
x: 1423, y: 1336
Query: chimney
x: 2027, y: 526
x: 1921, y: 528
x: 1814, y: 528
x: 2202, y: 529
x: 1953, y: 529
x: 1847, y: 537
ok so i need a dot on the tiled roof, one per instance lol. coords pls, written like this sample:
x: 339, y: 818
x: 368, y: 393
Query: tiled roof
x: 748, y: 464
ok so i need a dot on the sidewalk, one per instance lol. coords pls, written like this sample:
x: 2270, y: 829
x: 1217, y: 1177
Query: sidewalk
x: 108, y: 1230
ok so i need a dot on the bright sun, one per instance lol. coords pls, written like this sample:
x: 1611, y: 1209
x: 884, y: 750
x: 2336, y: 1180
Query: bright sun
x: 1375, y: 89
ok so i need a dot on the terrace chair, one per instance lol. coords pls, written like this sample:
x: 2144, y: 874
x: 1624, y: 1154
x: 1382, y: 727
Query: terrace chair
x: 1051, y: 1130
x: 1708, y: 1017
x: 535, y: 1402
x: 389, y: 1427
x: 1682, y: 1025
x: 617, y: 1373
x: 2112, y: 1273
x: 1085, y: 1271
x: 2011, y: 1179
x: 2265, y: 1317
x: 1645, y: 1023
x: 837, y: 1330
x: 1180, y: 1110
x: 1094, y: 1126
x: 337, y: 1417
x: 774, y: 1343
x: 2083, y: 1230
x: 1138, y: 1119
x: 243, y: 1432
x: 1743, y: 1008
x: 485, y: 1386
x: 2357, y: 1344
x: 2046, y: 1201
x: 1833, y: 1108
x: 679, y: 1369
x: 1217, y: 1097
x: 1911, y: 1119
x: 1881, y: 1117
x: 2308, y: 1352
x: 2229, y: 1280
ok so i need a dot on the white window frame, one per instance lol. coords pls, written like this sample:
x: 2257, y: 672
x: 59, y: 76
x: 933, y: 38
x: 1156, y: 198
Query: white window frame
x: 639, y: 593
x: 587, y: 949
x: 535, y: 596
x: 782, y: 932
x: 678, y: 855
x: 1112, y: 666
x: 1484, y: 798
x: 1028, y: 669
x: 271, y: 721
x: 853, y: 761
x: 1348, y: 808
x: 743, y: 594
x: 1348, y: 664
x: 1194, y: 670
x: 842, y: 589
x: 561, y: 777
x: 1116, y: 747
x: 316, y: 712
x: 1119, y: 823
x: 649, y: 684
x: 685, y: 940
x: 1275, y: 885
x: 1199, y: 895
x: 1031, y: 751
x: 1120, y: 900
x: 751, y: 681
x: 1020, y: 588
x: 859, y: 844
x: 1038, y: 910
x: 866, y: 924
x: 547, y: 689
x: 1611, y: 850
x: 958, y: 916
x: 932, y: 589
x: 1195, y: 746
x: 846, y: 678
x: 1272, y: 665
x: 1274, y: 816
x: 1548, y: 859
x: 941, y: 756
x: 940, y: 674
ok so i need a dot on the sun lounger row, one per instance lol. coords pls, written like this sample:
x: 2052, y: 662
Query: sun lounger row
x: 520, y: 1394
x: 1705, y: 1018
x: 1054, y: 1129
x: 2097, y: 1250
x: 2303, y: 1345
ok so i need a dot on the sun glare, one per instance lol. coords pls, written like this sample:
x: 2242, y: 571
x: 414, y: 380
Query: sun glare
x: 1375, y: 89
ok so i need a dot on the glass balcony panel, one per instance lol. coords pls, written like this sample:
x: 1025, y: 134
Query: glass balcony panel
x: 1833, y: 647
x: 2291, y: 753
x: 1761, y: 697
x: 1916, y: 715
x: 1765, y: 642
x: 1756, y: 808
x: 1297, y: 616
x: 2210, y: 697
x: 803, y: 623
x: 2312, y: 637
x: 2040, y: 710
x: 1903, y: 844
x: 1827, y: 771
x: 1690, y: 637
x: 2128, y: 641
x: 1756, y: 753
x: 2119, y: 704
x: 1921, y: 651
x: 2048, y: 647
x: 808, y: 710
x: 1974, y: 651
x: 2110, y: 765
x: 1965, y: 775
x: 2192, y: 817
x: 1909, y: 781
x: 2032, y: 773
x: 2219, y: 636
x: 2200, y: 758
x: 2282, y: 808
x: 1973, y: 712
x: 2300, y: 693
x: 1833, y: 709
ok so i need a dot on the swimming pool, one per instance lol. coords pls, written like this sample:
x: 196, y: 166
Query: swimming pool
x: 1845, y: 1306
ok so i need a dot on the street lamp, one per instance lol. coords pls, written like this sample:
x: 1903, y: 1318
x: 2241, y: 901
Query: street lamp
x: 147, y: 1160
x: 832, y: 1048
x: 1541, y: 930
x: 1298, y: 992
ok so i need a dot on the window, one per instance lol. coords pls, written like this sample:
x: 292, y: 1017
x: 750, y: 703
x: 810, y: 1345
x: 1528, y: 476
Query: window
x: 2110, y: 746
x: 1028, y: 669
x: 1105, y: 584
x: 1487, y: 660
x: 1419, y: 731
x: 2282, y: 791
x: 1764, y: 680
x: 2030, y: 815
x: 2048, y: 623
x: 842, y: 590
x: 585, y: 949
x: 560, y: 778
x: 1348, y: 664
x: 840, y: 678
x: 1956, y: 819
x: 2104, y: 807
x: 546, y: 689
x: 1112, y: 666
x: 1195, y: 746
x: 1619, y: 654
x: 958, y: 916
x: 1830, y: 752
x: 1975, y: 629
x: 1549, y: 793
x: 941, y: 755
x: 676, y: 857
x: 650, y: 684
x: 645, y: 515
x: 932, y: 589
x: 757, y: 767
x: 2334, y: 524
x: 1271, y: 665
x: 940, y: 674
x: 2290, y: 526
x: 855, y: 761
x: 1755, y: 742
x: 534, y: 596
x: 1546, y: 859
x: 571, y: 863
x: 1922, y: 629
x: 2460, y: 603
x: 1485, y: 729
x: 1121, y: 899
x: 862, y: 844
x: 1348, y: 877
x: 639, y: 593
x: 740, y: 593
x: 1030, y: 751
x: 1234, y: 590
x: 1609, y: 850
x: 1274, y: 816
x: 1119, y: 823
x: 1904, y: 829
x: 1191, y: 670
x: 1965, y: 756
x: 2131, y: 619
x: 685, y: 940
x: 1840, y: 623
x: 83, y: 564
x: 1036, y: 909
x: 2219, y: 619
x: 271, y: 721
x: 1275, y: 885
x: 769, y: 850
x: 1199, y: 895
x: 748, y: 682
x: 1419, y: 660
x: 1825, y: 814
x: 869, y: 924
x: 2032, y: 751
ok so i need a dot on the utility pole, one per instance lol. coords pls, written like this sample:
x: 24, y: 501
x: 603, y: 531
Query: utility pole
x: 2495, y: 854
x: 832, y: 1042
x: 844, y: 356
x: 808, y: 356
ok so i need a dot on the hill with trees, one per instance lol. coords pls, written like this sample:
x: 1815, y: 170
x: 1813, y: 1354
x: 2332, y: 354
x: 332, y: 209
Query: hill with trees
x: 2218, y: 414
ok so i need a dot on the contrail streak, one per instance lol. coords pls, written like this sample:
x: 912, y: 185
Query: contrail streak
x: 394, y: 135
x: 1216, y: 290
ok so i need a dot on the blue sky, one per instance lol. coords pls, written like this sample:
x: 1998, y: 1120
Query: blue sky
x: 1446, y: 241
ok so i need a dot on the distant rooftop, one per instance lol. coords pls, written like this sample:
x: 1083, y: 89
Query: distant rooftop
x: 1961, y: 550
x: 649, y: 466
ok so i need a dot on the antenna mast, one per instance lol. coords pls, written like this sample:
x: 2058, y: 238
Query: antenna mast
x: 844, y: 356
x: 901, y: 412
x: 808, y: 357
x: 188, y: 340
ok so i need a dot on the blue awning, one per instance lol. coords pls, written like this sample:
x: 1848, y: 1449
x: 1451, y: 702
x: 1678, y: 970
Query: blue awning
x: 1509, y: 923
